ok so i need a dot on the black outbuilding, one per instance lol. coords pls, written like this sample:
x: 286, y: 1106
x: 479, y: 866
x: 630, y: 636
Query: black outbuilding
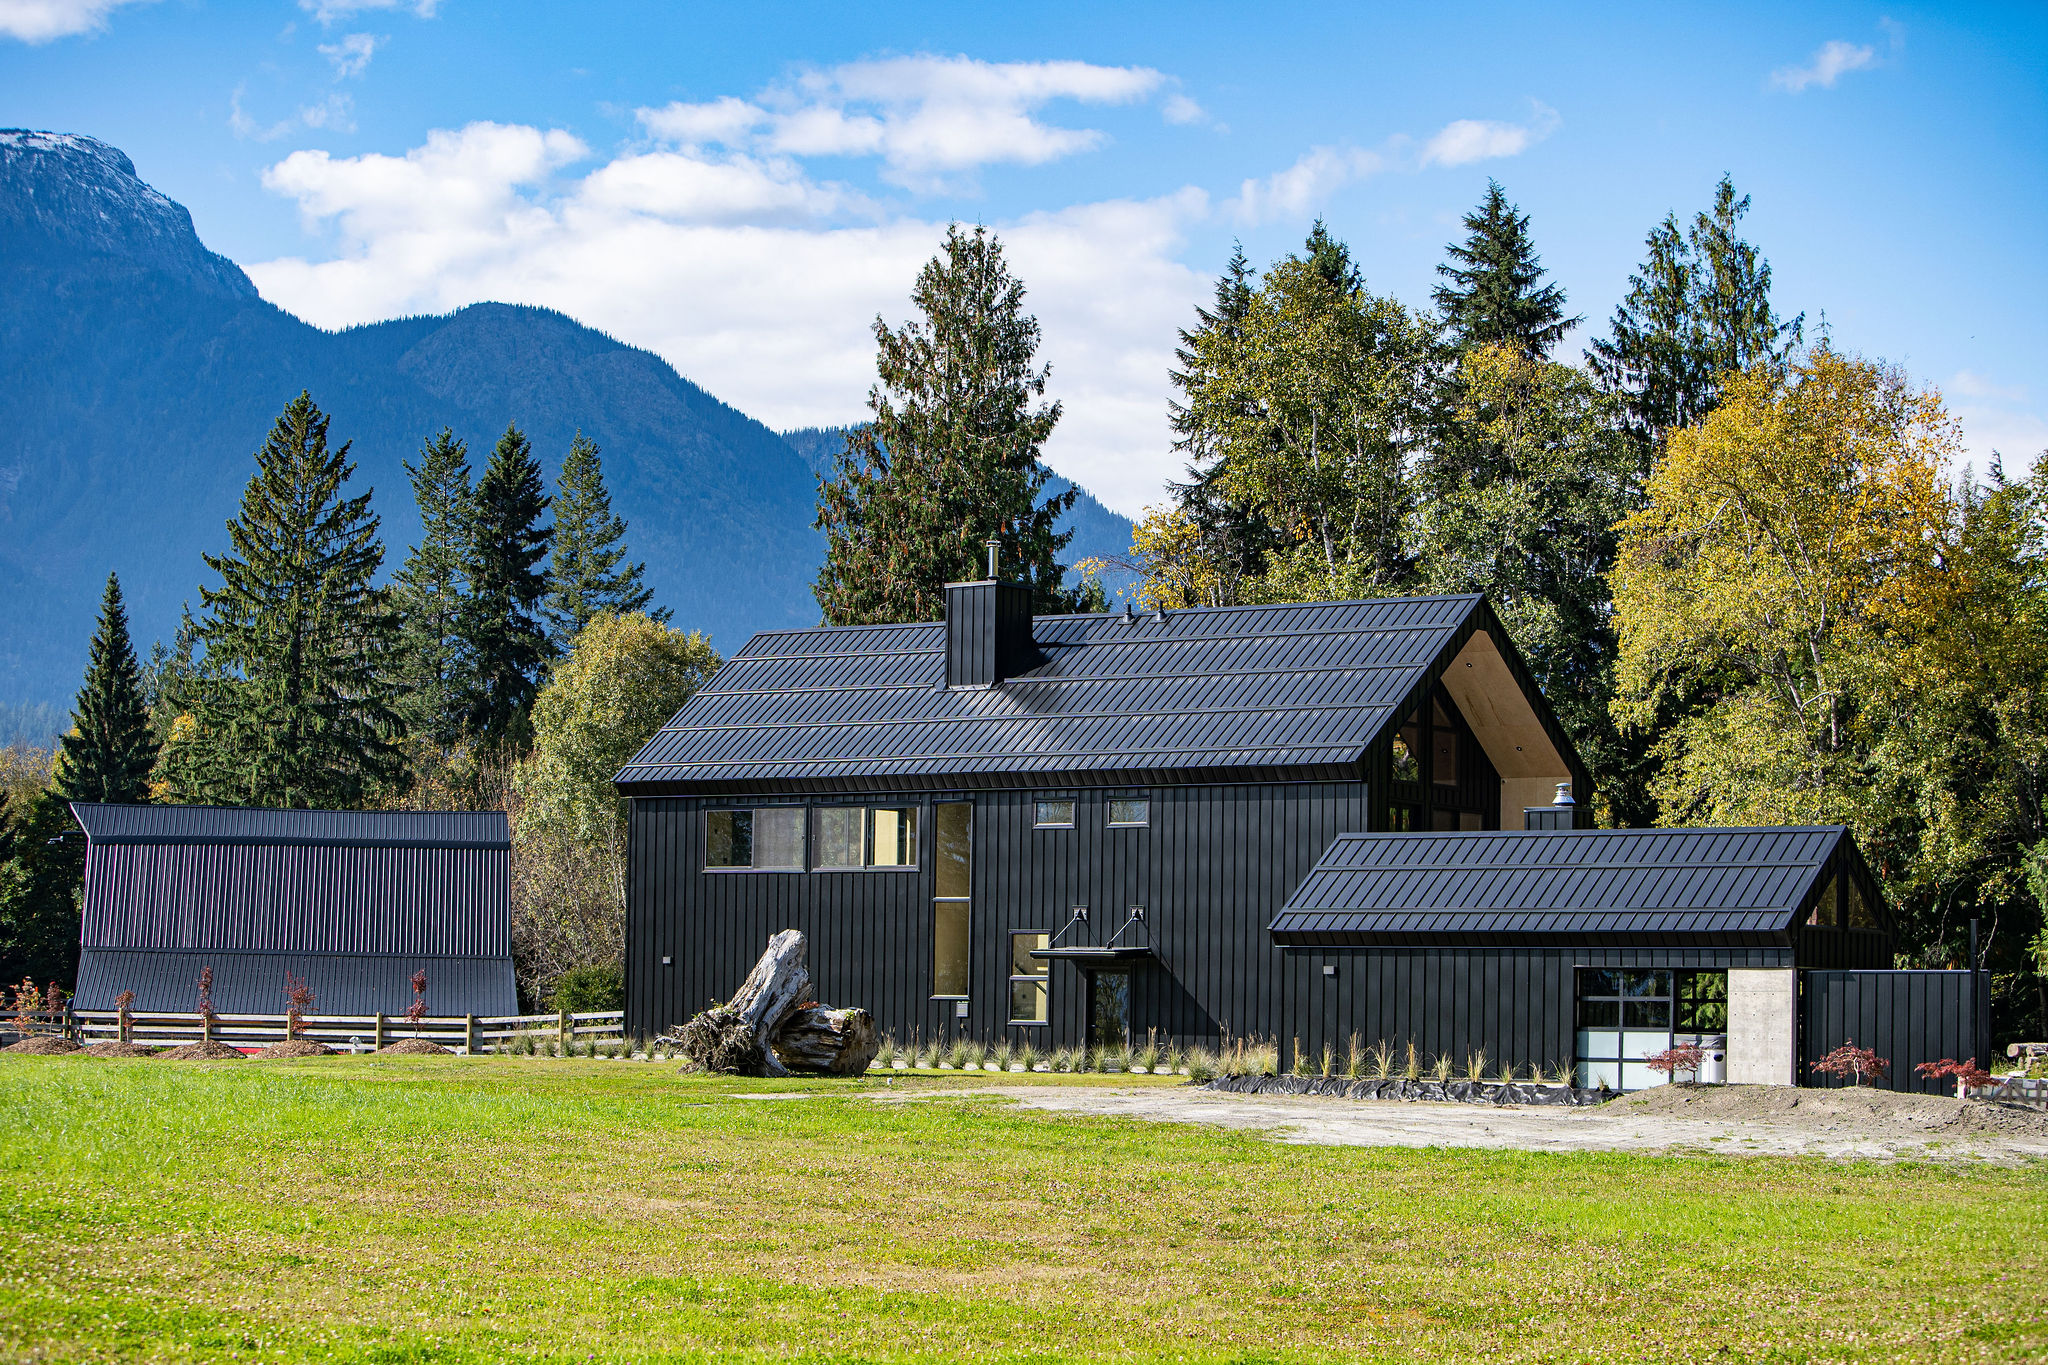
x: 353, y: 902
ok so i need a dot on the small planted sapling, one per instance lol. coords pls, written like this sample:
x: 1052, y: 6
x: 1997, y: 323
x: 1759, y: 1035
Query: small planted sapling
x: 205, y: 1005
x: 1968, y: 1075
x: 1861, y: 1064
x: 417, y: 1010
x: 298, y: 998
x: 27, y: 1000
x: 124, y: 1015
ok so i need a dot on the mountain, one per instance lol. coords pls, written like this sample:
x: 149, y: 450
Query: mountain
x: 143, y: 372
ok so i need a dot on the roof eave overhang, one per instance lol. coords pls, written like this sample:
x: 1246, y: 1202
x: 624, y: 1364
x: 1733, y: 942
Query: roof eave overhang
x: 1283, y: 938
x: 1352, y: 770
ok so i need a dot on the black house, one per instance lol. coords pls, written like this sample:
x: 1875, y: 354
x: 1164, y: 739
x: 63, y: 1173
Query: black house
x: 352, y: 902
x: 1090, y: 827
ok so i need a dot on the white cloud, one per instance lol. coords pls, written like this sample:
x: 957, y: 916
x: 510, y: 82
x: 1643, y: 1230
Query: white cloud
x: 351, y: 56
x: 336, y: 112
x: 331, y: 12
x: 1467, y: 140
x: 1181, y: 109
x: 1304, y: 186
x: 1830, y: 63
x: 926, y: 117
x: 1972, y: 385
x: 42, y: 21
x: 746, y: 275
x: 1997, y: 421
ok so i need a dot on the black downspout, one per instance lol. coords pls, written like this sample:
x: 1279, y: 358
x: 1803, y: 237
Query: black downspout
x: 1980, y: 1008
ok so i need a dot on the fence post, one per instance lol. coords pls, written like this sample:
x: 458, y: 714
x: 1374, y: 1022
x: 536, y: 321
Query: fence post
x: 379, y: 1034
x: 469, y: 1035
x: 205, y: 1028
x: 562, y: 1031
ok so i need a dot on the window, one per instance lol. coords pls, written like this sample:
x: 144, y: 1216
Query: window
x: 1862, y: 914
x: 866, y: 836
x: 1444, y: 768
x: 770, y: 838
x: 1404, y: 818
x: 1028, y: 978
x: 1822, y: 916
x: 952, y: 880
x: 1130, y: 810
x: 1056, y: 814
x: 1408, y: 750
x: 1627, y: 1016
x: 839, y: 836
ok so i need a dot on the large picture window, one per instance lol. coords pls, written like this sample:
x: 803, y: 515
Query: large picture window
x: 764, y: 839
x: 1029, y: 977
x: 1625, y: 1017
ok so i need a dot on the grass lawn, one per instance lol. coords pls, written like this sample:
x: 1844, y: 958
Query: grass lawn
x: 432, y: 1209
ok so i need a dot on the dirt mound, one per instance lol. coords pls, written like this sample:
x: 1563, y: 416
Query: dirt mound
x: 296, y: 1047
x: 1852, y: 1109
x: 416, y: 1047
x: 42, y: 1046
x: 114, y: 1047
x: 208, y: 1051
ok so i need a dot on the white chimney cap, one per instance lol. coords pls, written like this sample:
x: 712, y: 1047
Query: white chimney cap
x: 1564, y: 795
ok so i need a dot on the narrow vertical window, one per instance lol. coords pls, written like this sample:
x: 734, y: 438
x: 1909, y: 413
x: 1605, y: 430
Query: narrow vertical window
x: 952, y: 889
x: 892, y: 837
x: 1028, y: 978
x: 728, y: 838
x: 1444, y: 756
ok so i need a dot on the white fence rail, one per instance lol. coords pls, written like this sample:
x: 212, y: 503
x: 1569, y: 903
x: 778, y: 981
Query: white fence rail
x: 2015, y: 1090
x: 464, y: 1033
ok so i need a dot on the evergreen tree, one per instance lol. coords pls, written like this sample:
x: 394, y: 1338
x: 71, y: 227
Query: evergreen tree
x: 951, y: 456
x: 432, y: 591
x: 298, y: 636
x: 585, y: 577
x: 110, y: 750
x: 1698, y: 310
x: 1494, y: 294
x: 42, y: 884
x: 508, y: 646
x: 1230, y: 534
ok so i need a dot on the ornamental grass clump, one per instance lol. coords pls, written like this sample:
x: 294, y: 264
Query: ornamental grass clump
x: 1440, y: 1068
x: 1475, y: 1065
x: 1147, y: 1057
x: 1412, y: 1069
x: 1380, y: 1061
x: 1203, y: 1064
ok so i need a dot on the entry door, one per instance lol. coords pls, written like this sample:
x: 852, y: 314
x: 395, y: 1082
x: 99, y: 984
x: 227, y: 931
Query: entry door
x: 1109, y: 1009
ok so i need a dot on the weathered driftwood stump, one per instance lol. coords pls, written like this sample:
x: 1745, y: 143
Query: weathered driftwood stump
x: 772, y: 1026
x: 828, y: 1041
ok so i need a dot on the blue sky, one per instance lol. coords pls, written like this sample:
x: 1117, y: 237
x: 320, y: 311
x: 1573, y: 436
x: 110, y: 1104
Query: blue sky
x: 742, y: 188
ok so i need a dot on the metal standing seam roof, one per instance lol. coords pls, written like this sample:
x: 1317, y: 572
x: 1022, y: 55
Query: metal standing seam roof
x: 1719, y: 885
x: 1300, y: 688
x: 107, y: 824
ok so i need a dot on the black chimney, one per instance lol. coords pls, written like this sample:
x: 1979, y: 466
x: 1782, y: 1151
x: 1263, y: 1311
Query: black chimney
x: 988, y: 631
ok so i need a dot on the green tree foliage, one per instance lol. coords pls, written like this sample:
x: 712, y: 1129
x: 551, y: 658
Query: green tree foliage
x: 298, y: 637
x: 508, y: 646
x: 1520, y: 504
x: 1697, y: 311
x: 950, y: 458
x: 1309, y: 404
x: 588, y: 575
x: 110, y: 750
x: 1493, y: 294
x: 42, y: 872
x: 432, y: 597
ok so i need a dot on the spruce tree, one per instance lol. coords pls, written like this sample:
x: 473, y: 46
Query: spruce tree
x: 585, y: 576
x: 431, y: 593
x: 508, y: 646
x: 1494, y: 292
x: 110, y: 750
x: 1697, y: 311
x: 298, y: 636
x: 951, y: 455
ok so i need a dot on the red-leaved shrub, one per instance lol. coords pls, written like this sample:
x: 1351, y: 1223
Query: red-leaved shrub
x: 27, y: 1000
x: 205, y: 1010
x: 124, y: 1014
x: 1861, y: 1064
x: 1671, y: 1061
x: 1968, y: 1075
x: 298, y: 999
x: 417, y: 1010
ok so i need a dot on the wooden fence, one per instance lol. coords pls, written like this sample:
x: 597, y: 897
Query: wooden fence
x: 464, y: 1033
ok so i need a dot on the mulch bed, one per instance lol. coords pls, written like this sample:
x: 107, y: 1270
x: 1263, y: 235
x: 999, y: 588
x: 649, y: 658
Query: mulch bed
x: 114, y: 1047
x: 209, y: 1051
x: 416, y: 1047
x: 45, y: 1045
x: 297, y: 1047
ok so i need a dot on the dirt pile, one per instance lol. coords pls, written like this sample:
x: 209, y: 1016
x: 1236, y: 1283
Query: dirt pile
x: 209, y: 1051
x: 296, y: 1047
x: 114, y: 1047
x: 43, y: 1045
x: 1854, y: 1110
x: 416, y: 1047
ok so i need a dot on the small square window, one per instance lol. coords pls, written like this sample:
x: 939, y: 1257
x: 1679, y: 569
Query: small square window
x: 1056, y: 814
x: 1130, y: 810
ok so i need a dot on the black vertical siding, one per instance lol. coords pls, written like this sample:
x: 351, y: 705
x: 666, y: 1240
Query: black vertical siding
x: 1906, y: 1017
x: 1210, y: 869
